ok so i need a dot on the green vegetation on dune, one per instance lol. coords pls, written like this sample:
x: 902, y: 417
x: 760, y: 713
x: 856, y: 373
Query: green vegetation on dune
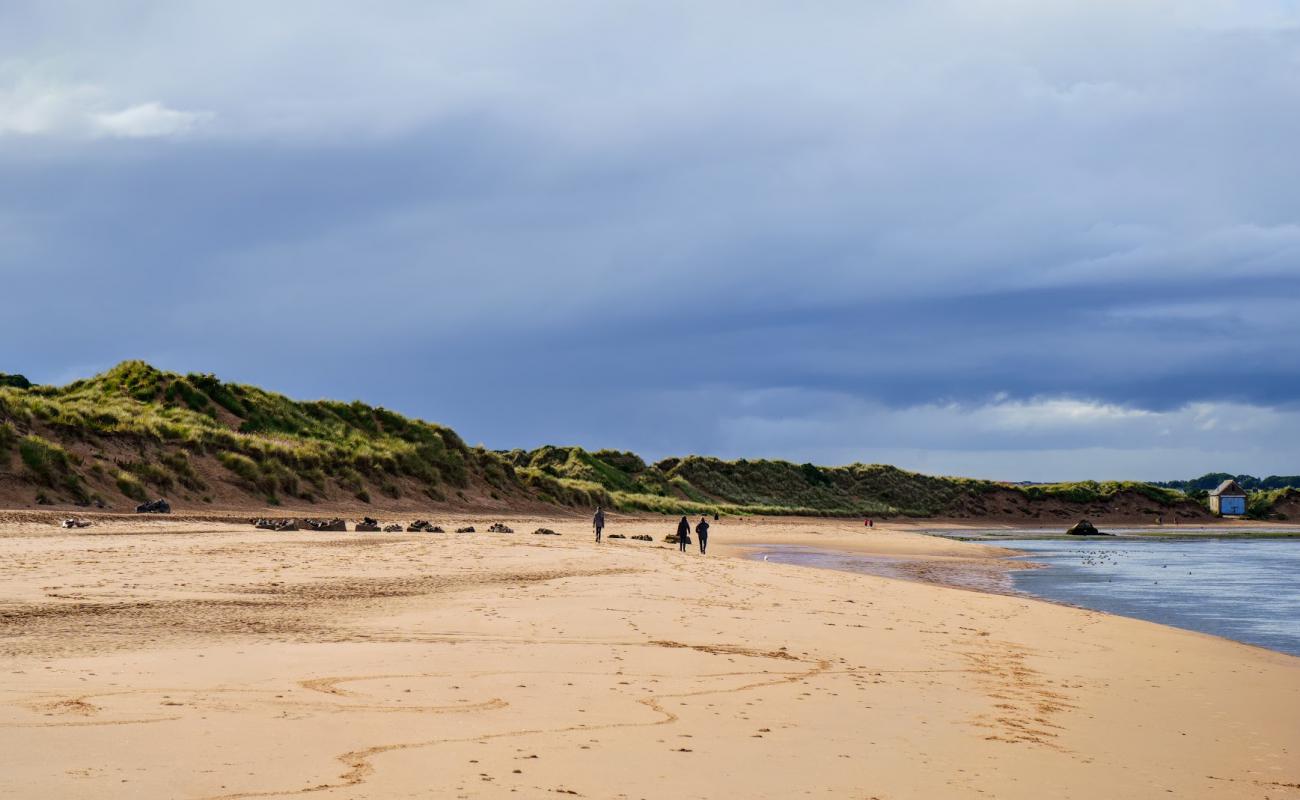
x: 130, y: 486
x: 1266, y: 504
x: 669, y: 505
x: 271, y: 446
x: 8, y: 436
x: 697, y: 484
x: 612, y: 470
x: 565, y: 491
x: 857, y: 489
x: 135, y: 432
x: 1094, y: 491
x: 52, y: 467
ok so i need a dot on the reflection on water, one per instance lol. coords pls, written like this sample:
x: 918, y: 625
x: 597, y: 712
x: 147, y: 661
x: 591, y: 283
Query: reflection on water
x: 1243, y: 589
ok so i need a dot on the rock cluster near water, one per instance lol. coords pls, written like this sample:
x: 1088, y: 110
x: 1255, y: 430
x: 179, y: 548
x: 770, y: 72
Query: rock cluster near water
x: 1084, y: 528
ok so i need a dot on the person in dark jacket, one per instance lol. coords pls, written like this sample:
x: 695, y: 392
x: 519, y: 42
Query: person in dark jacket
x: 598, y: 522
x: 702, y: 531
x: 683, y: 534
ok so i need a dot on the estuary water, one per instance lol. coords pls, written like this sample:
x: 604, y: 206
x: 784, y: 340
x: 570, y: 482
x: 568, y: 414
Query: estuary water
x: 1243, y: 589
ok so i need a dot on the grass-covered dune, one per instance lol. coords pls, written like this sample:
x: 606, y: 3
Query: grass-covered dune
x: 698, y: 484
x: 135, y: 432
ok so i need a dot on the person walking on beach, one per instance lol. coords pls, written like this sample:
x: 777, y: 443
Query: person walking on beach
x: 683, y: 534
x: 702, y: 531
x: 598, y: 522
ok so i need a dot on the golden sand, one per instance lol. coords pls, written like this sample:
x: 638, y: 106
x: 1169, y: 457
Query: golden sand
x: 201, y: 660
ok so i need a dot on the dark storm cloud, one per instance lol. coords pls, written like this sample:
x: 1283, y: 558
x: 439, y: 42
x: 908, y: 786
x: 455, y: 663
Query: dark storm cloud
x: 888, y: 230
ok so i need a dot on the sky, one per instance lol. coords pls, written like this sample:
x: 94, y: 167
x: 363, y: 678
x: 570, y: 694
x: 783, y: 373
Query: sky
x: 1015, y: 240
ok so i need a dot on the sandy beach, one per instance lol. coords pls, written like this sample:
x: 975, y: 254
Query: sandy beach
x: 173, y: 659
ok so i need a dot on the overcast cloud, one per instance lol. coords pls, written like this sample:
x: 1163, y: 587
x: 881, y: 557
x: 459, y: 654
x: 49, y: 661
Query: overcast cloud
x: 1014, y: 240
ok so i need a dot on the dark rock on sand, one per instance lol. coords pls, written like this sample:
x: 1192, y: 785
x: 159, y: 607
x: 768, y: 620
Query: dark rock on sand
x: 327, y: 524
x: 641, y: 537
x: 73, y: 522
x: 498, y: 527
x: 616, y: 536
x: 545, y: 532
x: 368, y: 525
x: 467, y: 529
x: 425, y: 526
x: 393, y: 528
x: 1085, y: 528
x: 159, y: 506
x: 276, y: 524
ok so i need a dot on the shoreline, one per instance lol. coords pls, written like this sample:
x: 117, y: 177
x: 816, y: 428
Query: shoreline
x: 988, y: 575
x: 1121, y: 534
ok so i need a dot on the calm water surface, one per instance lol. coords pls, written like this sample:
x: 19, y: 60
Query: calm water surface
x: 1243, y: 589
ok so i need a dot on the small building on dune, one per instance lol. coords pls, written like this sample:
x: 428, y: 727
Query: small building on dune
x: 1229, y: 499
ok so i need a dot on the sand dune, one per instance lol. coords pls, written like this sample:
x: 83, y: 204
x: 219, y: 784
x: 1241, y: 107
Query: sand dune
x: 226, y: 662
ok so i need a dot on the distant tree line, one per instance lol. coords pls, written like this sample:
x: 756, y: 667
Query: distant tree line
x: 1210, y: 480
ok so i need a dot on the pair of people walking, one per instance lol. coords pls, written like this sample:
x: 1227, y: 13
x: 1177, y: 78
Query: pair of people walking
x: 701, y: 531
x: 683, y: 530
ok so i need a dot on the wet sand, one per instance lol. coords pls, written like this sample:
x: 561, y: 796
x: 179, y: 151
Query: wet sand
x: 205, y: 660
x: 978, y: 574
